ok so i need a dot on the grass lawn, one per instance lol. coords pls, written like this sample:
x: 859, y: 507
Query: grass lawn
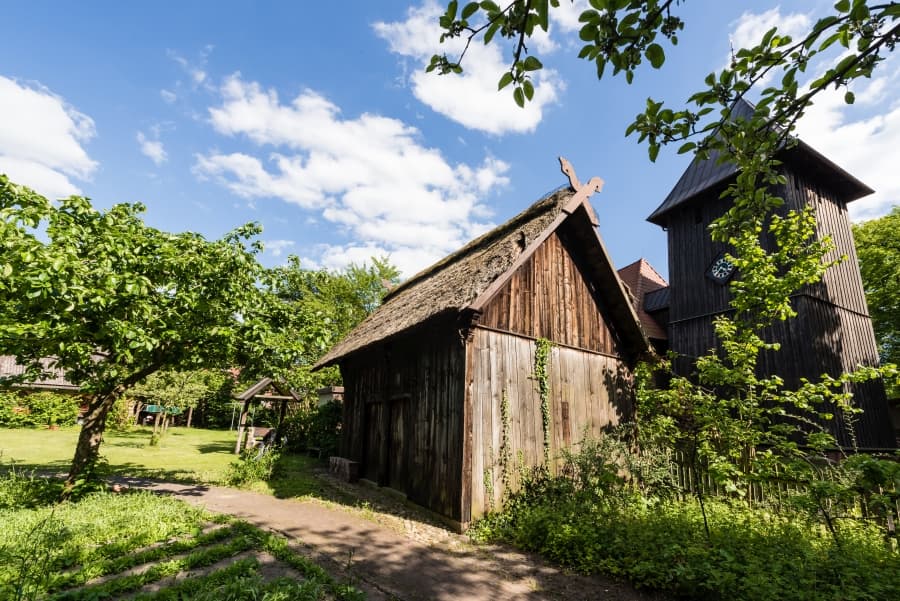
x: 183, y: 454
x: 143, y: 546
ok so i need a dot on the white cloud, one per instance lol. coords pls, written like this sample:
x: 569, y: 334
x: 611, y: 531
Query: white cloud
x: 153, y: 149
x: 370, y: 176
x: 276, y: 248
x: 749, y: 29
x: 472, y: 98
x: 168, y: 96
x: 862, y: 138
x: 41, y: 139
x: 195, y: 69
x: 566, y: 15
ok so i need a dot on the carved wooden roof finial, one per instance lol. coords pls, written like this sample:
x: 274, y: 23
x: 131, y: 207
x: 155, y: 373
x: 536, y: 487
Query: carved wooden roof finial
x: 582, y: 192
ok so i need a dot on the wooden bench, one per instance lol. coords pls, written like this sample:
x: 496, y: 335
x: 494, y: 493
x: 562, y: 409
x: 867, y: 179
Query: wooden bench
x: 344, y: 468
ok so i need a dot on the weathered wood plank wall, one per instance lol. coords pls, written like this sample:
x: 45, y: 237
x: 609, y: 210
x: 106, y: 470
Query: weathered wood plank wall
x: 588, y: 392
x: 403, y: 416
x: 549, y: 297
x: 832, y: 332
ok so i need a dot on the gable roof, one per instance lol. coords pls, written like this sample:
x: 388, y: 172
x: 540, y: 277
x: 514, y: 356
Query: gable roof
x: 641, y: 279
x: 55, y: 380
x: 464, y: 281
x: 703, y: 175
x: 258, y: 389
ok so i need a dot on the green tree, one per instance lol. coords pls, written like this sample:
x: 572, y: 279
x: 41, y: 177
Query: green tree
x: 324, y: 306
x: 174, y: 390
x: 878, y: 250
x: 113, y: 300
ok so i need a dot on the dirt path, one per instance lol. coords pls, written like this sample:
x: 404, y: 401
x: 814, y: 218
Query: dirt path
x: 390, y: 565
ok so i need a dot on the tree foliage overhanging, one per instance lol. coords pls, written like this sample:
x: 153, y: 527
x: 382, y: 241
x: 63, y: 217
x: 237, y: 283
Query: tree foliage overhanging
x: 725, y: 414
x: 878, y: 251
x: 113, y: 301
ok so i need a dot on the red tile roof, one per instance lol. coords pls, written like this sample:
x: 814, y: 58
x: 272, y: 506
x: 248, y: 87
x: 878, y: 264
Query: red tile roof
x: 641, y: 278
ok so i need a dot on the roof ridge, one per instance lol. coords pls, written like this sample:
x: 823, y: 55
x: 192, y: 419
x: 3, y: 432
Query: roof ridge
x: 485, y: 238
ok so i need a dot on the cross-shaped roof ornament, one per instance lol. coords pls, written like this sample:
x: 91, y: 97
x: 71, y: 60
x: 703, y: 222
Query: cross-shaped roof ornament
x: 582, y: 191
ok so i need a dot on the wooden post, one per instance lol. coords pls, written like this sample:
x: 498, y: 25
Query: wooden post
x: 281, y: 414
x: 245, y: 409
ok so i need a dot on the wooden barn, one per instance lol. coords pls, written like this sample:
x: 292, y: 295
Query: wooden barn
x: 441, y: 401
x: 832, y: 332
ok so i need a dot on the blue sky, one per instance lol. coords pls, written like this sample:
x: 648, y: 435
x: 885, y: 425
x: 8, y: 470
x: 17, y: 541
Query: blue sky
x: 317, y: 120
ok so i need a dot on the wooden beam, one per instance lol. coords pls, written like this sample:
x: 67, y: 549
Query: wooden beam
x: 245, y: 409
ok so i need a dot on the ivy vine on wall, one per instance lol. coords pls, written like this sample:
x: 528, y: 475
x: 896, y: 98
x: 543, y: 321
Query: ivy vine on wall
x: 542, y: 375
x: 505, y: 451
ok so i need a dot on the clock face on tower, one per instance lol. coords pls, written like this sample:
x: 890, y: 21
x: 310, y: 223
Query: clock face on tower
x: 720, y: 270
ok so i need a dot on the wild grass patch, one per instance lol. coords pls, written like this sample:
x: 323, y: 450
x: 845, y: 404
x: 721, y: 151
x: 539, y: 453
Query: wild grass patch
x: 106, y: 545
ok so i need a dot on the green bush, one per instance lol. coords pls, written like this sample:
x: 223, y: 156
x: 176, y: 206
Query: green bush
x: 24, y: 409
x: 596, y: 522
x: 316, y: 427
x: 252, y: 466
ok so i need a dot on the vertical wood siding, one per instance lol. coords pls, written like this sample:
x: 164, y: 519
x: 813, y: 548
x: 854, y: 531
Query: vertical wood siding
x: 549, y: 297
x: 588, y: 392
x: 832, y: 332
x: 403, y: 416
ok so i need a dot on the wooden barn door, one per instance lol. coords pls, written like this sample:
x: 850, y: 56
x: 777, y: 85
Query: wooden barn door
x: 397, y: 471
x: 374, y: 440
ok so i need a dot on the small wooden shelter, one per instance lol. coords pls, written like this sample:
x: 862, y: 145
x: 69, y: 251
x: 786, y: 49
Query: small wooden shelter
x: 265, y: 390
x: 441, y: 401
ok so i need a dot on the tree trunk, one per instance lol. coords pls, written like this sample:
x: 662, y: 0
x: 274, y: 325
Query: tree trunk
x: 156, y: 422
x: 88, y: 448
x: 189, y: 416
x: 137, y: 412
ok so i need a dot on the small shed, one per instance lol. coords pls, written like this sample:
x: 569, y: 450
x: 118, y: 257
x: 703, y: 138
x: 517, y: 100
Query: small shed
x: 441, y: 400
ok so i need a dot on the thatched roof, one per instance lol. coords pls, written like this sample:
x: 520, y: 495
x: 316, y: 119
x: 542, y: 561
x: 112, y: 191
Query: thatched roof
x: 454, y: 284
x: 641, y: 279
x: 704, y: 175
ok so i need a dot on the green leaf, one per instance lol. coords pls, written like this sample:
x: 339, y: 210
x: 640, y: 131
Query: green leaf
x: 489, y: 34
x: 528, y: 88
x: 451, y: 9
x: 532, y: 64
x: 655, y: 55
x: 505, y: 80
x: 519, y: 97
x: 470, y: 9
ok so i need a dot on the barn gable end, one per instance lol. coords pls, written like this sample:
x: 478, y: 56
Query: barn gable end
x: 425, y: 376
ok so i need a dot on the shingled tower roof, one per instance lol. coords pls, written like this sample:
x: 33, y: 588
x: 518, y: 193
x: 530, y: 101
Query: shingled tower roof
x: 703, y: 175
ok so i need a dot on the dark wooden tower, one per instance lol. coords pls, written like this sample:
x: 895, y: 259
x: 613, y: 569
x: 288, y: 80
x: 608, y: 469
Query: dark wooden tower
x: 832, y: 331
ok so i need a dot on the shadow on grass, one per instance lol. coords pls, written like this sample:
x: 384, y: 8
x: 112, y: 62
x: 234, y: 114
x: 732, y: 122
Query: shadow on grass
x: 216, y: 447
x: 299, y: 475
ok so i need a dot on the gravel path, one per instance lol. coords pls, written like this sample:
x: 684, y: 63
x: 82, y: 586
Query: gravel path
x: 396, y: 555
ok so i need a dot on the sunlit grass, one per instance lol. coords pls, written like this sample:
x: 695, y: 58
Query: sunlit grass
x: 183, y: 454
